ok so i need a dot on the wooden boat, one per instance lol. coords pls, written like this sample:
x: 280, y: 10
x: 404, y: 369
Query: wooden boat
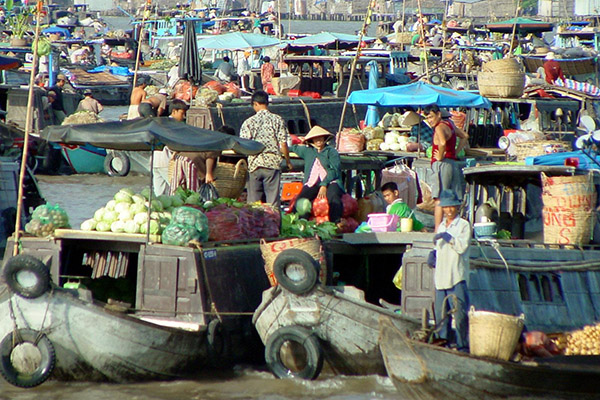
x: 423, y: 371
x: 140, y: 311
x: 344, y: 324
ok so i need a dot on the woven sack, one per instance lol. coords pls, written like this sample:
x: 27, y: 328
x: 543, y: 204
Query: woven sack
x: 270, y: 251
x: 230, y: 179
x: 493, y: 334
x: 566, y: 193
x: 569, y: 227
x: 351, y: 141
x: 505, y: 84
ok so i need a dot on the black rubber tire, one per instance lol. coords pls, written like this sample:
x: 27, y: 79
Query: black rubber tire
x: 435, y: 79
x: 113, y: 170
x: 27, y: 263
x: 41, y: 373
x: 310, y: 343
x: 308, y: 266
x: 218, y: 342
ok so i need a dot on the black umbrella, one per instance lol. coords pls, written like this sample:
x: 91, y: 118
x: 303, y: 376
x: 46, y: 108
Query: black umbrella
x: 149, y: 134
x: 189, y: 62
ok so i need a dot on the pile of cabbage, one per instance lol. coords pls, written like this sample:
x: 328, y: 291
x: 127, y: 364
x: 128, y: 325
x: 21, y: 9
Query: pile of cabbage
x: 127, y: 212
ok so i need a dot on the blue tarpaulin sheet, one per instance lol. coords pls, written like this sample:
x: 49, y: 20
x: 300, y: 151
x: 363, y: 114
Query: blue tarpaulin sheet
x: 123, y: 71
x: 585, y: 162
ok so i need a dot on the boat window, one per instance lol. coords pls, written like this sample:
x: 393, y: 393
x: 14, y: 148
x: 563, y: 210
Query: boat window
x: 557, y: 286
x: 537, y: 294
x: 302, y: 128
x: 523, y: 287
x: 291, y: 125
x: 546, y: 289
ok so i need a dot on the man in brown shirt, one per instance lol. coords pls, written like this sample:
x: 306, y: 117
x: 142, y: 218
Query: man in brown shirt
x: 89, y: 103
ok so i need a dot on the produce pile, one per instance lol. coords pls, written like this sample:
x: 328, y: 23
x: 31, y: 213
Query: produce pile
x: 45, y: 219
x: 82, y: 117
x: 585, y: 341
x: 187, y: 223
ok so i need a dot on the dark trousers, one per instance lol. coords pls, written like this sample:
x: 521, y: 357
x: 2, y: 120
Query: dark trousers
x: 461, y: 336
x: 334, y: 198
x: 146, y: 110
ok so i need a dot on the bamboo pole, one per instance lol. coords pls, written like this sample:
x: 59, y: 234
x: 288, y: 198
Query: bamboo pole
x: 514, y: 30
x: 139, y: 47
x: 28, y: 123
x: 362, y: 32
x: 422, y: 33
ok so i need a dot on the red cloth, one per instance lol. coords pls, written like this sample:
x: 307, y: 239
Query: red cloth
x: 450, y: 143
x: 553, y: 71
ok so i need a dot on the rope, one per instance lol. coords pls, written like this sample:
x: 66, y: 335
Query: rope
x: 220, y: 113
x: 306, y: 112
x: 213, y: 306
x: 41, y: 331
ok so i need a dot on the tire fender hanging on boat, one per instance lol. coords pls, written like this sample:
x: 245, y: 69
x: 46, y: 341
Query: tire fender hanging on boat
x: 218, y: 342
x: 27, y: 358
x: 296, y: 271
x: 117, y: 163
x: 280, y: 353
x: 27, y: 276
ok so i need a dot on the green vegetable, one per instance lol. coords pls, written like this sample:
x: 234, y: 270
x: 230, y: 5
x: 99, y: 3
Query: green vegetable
x: 111, y: 205
x: 122, y: 197
x: 293, y: 226
x: 137, y: 208
x: 125, y: 215
x: 504, y: 234
x: 120, y: 207
x: 141, y: 218
x: 117, y: 227
x: 165, y: 200
x: 128, y: 191
x: 110, y: 216
x: 138, y: 199
x: 193, y: 198
x: 176, y: 200
x: 89, y: 225
x: 303, y: 206
x: 154, y: 227
x: 131, y: 227
x: 103, y: 226
x: 99, y: 213
x: 146, y: 193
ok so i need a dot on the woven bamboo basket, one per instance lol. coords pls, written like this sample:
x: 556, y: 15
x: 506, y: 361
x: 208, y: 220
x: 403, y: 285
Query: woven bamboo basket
x: 505, y: 84
x: 230, y: 179
x: 503, y: 65
x: 312, y: 246
x: 535, y: 148
x: 493, y: 334
x: 404, y: 37
x: 569, y: 227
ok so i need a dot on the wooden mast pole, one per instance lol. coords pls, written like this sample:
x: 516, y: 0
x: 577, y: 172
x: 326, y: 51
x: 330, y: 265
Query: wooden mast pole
x: 28, y: 123
x: 514, y: 30
x: 139, y: 47
x: 355, y: 60
x: 422, y: 33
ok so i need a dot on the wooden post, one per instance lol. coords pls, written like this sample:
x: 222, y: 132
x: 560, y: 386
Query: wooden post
x: 362, y: 32
x: 514, y: 30
x: 139, y: 48
x: 28, y: 123
x: 422, y: 26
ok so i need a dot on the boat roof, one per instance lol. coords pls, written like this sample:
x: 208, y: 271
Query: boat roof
x: 340, y: 58
x: 510, y: 171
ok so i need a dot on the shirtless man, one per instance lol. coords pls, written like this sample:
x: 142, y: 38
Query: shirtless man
x: 443, y: 157
x: 154, y: 106
x: 137, y: 95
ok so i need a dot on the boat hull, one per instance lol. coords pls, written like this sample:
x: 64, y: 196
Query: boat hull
x: 346, y: 326
x: 424, y: 371
x: 96, y: 344
x: 86, y: 159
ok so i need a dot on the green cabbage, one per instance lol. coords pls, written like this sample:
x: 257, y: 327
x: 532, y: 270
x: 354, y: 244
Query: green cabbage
x: 138, y: 199
x: 165, y: 201
x: 110, y: 216
x: 128, y: 191
x: 110, y: 205
x: 131, y: 227
x: 103, y: 226
x: 154, y: 227
x: 99, y: 214
x: 122, y: 197
x: 120, y: 207
x: 117, y: 227
x: 146, y: 193
x: 125, y: 215
x: 89, y: 225
x: 193, y: 198
x: 176, y: 201
x: 157, y: 205
x: 141, y: 218
x: 137, y: 208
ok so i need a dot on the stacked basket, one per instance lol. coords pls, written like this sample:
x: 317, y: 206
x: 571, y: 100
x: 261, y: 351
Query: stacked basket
x: 501, y: 78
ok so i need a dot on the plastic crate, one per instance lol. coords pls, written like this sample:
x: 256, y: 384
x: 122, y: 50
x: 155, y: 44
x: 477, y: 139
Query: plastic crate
x: 382, y: 222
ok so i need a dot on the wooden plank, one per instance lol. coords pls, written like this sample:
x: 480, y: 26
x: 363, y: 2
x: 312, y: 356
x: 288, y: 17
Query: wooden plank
x: 94, y: 235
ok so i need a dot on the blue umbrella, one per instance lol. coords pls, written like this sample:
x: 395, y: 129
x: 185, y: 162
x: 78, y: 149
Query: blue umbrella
x: 238, y: 41
x: 328, y: 38
x: 372, y: 117
x: 418, y: 94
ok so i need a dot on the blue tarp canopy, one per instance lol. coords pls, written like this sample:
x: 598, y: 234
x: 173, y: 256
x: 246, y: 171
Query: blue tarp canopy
x: 238, y: 41
x: 418, y: 94
x: 328, y: 38
x: 585, y: 161
x: 60, y: 31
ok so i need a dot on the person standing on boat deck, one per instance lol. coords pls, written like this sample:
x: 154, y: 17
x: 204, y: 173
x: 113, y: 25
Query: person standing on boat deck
x: 322, y: 171
x: 160, y: 170
x: 137, y: 95
x: 443, y: 157
x: 243, y: 70
x: 552, y: 69
x: 267, y: 71
x: 58, y: 107
x: 154, y: 106
x: 89, y: 103
x: 452, y: 240
x: 264, y: 168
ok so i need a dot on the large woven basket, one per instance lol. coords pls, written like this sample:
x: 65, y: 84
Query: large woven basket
x: 404, y: 37
x: 505, y: 84
x: 493, y: 334
x: 502, y: 66
x: 534, y: 148
x: 230, y: 179
x: 270, y: 251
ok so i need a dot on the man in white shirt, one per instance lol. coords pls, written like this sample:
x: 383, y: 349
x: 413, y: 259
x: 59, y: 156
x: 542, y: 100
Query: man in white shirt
x: 452, y: 240
x: 224, y: 72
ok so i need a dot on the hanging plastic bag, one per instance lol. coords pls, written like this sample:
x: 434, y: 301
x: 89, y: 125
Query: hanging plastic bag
x: 208, y: 192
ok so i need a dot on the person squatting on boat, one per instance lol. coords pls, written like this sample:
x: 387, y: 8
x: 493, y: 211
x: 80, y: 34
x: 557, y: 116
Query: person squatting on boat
x: 264, y: 168
x: 443, y: 156
x: 452, y: 241
x: 160, y: 170
x: 154, y: 106
x: 89, y: 103
x: 322, y: 171
x: 225, y: 72
x: 396, y: 206
x: 58, y: 107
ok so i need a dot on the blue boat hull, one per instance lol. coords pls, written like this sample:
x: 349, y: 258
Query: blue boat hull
x: 86, y: 159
